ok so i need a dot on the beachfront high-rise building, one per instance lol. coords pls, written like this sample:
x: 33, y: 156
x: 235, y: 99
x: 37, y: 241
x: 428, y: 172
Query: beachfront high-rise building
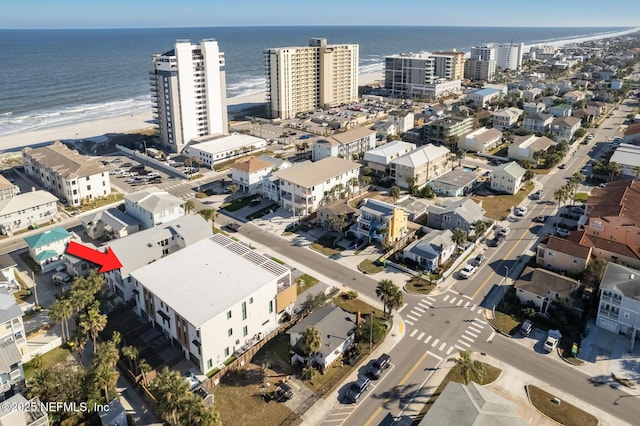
x: 301, y: 79
x: 449, y: 65
x: 188, y: 91
x: 479, y: 69
x: 424, y: 75
x: 506, y: 55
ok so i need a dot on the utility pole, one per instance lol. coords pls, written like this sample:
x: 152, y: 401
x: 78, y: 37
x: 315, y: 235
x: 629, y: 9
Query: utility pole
x: 371, y: 333
x: 35, y: 290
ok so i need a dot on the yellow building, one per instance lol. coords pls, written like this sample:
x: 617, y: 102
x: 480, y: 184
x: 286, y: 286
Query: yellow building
x: 381, y: 222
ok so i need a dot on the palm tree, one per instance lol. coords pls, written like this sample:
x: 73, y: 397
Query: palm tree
x: 193, y: 412
x: 636, y: 170
x: 62, y: 310
x: 353, y: 182
x: 93, y: 322
x: 468, y: 366
x: 233, y: 188
x: 339, y: 188
x: 614, y: 170
x: 170, y: 391
x: 144, y: 368
x: 311, y: 342
x: 384, y: 290
x: 209, y: 215
x: 459, y: 236
x: 188, y: 206
x: 396, y: 299
x: 105, y: 377
x: 366, y: 180
x: 131, y: 352
x: 394, y: 192
x: 106, y: 354
x: 479, y: 228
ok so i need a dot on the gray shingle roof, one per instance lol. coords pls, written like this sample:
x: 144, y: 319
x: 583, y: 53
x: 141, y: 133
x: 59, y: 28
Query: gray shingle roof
x: 622, y: 279
x: 334, y: 324
x: 9, y: 355
x: 9, y: 309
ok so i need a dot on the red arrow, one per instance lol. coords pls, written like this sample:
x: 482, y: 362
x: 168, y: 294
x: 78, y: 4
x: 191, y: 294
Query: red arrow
x: 108, y: 260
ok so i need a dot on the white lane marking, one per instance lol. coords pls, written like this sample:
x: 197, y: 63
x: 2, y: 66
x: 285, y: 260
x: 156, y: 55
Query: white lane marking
x: 453, y: 300
x: 477, y: 330
x: 403, y: 306
x: 471, y: 334
x: 468, y: 297
x: 420, y: 336
x: 460, y: 348
x: 480, y: 321
x: 424, y: 306
x: 446, y: 297
x: 451, y: 348
x: 464, y: 343
x: 473, y: 309
x: 409, y: 322
x: 416, y: 308
x: 430, y: 298
x: 491, y: 336
x: 427, y: 339
x: 412, y: 318
x: 442, y: 346
x: 460, y: 302
x: 417, y: 314
x: 467, y: 338
x: 435, y: 342
x: 466, y: 304
x: 413, y: 333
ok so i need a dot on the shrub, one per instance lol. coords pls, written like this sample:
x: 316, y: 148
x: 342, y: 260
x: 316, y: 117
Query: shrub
x: 308, y: 373
x: 350, y: 295
x: 201, y: 195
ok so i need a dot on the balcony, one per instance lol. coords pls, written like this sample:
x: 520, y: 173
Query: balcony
x: 609, y: 314
x: 614, y: 300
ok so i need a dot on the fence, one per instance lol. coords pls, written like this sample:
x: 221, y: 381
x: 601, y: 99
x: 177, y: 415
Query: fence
x: 36, y: 348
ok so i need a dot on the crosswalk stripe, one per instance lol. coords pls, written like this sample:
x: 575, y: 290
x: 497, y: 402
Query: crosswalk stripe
x: 473, y: 309
x: 460, y: 302
x: 460, y: 348
x: 467, y: 338
x: 409, y: 322
x: 466, y: 304
x: 491, y: 336
x: 427, y: 339
x: 417, y: 314
x: 451, y: 348
x: 468, y: 297
x: 477, y: 330
x: 419, y: 309
x: 424, y: 306
x: 446, y: 297
x: 442, y: 346
x: 435, y: 342
x: 430, y: 298
x: 471, y: 334
x: 412, y: 318
x: 481, y: 321
x: 453, y: 300
x: 413, y: 333
x: 420, y: 336
x: 464, y: 343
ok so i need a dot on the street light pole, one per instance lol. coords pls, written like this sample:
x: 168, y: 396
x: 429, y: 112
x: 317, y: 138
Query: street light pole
x: 35, y: 290
x: 371, y: 333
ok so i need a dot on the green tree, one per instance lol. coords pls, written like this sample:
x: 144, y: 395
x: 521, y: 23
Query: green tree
x: 394, y: 192
x: 384, y: 290
x: 188, y: 206
x: 62, y: 310
x: 170, y: 391
x: 396, y: 299
x: 209, y: 215
x: 233, y: 188
x: 311, y: 342
x: 614, y: 169
x: 93, y: 322
x: 636, y: 170
x: 411, y: 183
x: 468, y: 366
x: 376, y: 335
x: 144, y: 368
x: 366, y: 180
x: 459, y: 236
x: 592, y: 275
x: 193, y: 412
x: 479, y: 228
x: 105, y: 377
x: 131, y: 353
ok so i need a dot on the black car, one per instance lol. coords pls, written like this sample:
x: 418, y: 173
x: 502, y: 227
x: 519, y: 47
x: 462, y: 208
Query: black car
x: 233, y: 227
x: 357, y: 389
x: 477, y: 261
x: 283, y: 392
x: 383, y: 361
x: 499, y: 239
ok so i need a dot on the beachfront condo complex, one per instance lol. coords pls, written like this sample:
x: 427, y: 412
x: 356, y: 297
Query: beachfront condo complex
x: 188, y: 92
x: 301, y: 79
x: 506, y: 55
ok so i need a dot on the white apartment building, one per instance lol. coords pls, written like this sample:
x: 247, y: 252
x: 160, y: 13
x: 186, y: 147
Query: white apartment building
x: 24, y: 210
x: 350, y: 144
x: 303, y: 78
x: 217, y: 304
x: 7, y: 189
x: 507, y: 178
x: 619, y: 308
x: 211, y: 150
x: 378, y: 159
x: 480, y: 140
x: 153, y: 207
x: 13, y: 346
x: 144, y: 247
x: 423, y: 74
x: 304, y: 186
x: 506, y: 55
x: 188, y: 92
x: 67, y: 174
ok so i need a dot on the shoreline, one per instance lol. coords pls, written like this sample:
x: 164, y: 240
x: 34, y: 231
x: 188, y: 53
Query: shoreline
x: 97, y: 129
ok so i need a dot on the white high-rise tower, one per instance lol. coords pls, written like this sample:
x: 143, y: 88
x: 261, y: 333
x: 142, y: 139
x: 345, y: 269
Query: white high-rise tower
x: 188, y: 91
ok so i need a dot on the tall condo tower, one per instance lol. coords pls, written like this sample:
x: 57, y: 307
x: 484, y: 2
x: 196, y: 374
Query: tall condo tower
x: 301, y: 79
x: 188, y: 92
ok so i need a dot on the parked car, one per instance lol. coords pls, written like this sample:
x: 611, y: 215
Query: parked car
x: 553, y: 338
x: 562, y: 232
x: 255, y: 201
x: 358, y: 388
x: 562, y: 166
x: 540, y: 219
x: 526, y: 327
x: 305, y: 137
x: 235, y: 227
x: 499, y: 239
x: 383, y: 361
x: 520, y: 211
x: 60, y: 278
x: 283, y: 392
x: 467, y: 271
x: 504, y: 232
x: 477, y: 261
x: 538, y: 194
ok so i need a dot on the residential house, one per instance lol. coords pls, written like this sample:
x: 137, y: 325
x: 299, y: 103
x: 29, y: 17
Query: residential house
x: 337, y: 216
x: 150, y: 245
x: 531, y: 94
x: 351, y: 144
x: 306, y: 185
x: 561, y: 110
x: 249, y: 175
x: 414, y: 207
x: 153, y: 207
x: 538, y: 123
x: 447, y: 130
x: 562, y: 255
x: 380, y: 221
x: 78, y: 266
x: 533, y: 107
x: 565, y: 127
x: 506, y: 118
x: 213, y: 149
x: 7, y: 189
x: 212, y: 320
x: 455, y: 183
x: 587, y: 114
x: 434, y: 110
x: 507, y: 178
x: 111, y: 223
x: 384, y: 129
x: 619, y: 307
x: 632, y: 133
x: 337, y: 329
x: 480, y: 140
x: 34, y: 416
x: 476, y: 404
x: 483, y: 97
x: 13, y: 345
x: 47, y: 248
x: 544, y: 288
x: 378, y: 159
x: 403, y: 119
x: 7, y: 273
x: 573, y: 96
x: 421, y: 165
x: 72, y: 177
x: 431, y: 251
x: 528, y: 147
x: 459, y: 214
x: 29, y: 209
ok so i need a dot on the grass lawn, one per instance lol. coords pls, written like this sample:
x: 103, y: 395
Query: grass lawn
x: 563, y: 413
x: 369, y: 267
x: 49, y: 359
x: 305, y: 282
x: 420, y: 285
x: 325, y: 245
x: 499, y: 206
x: 355, y: 305
x: 262, y: 212
x: 490, y: 375
x: 237, y: 204
x: 99, y: 202
x: 581, y: 196
x: 275, y: 259
x: 505, y: 323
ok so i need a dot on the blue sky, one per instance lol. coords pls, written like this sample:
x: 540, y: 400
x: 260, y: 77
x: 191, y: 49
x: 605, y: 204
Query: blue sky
x: 210, y: 13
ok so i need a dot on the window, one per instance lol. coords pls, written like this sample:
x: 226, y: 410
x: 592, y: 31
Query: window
x: 250, y: 300
x: 270, y: 306
x: 230, y: 332
x: 245, y: 331
x: 626, y: 315
x: 209, y: 363
x: 244, y: 310
x: 226, y: 351
x: 228, y: 314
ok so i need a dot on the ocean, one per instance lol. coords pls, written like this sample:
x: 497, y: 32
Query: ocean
x: 52, y: 78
